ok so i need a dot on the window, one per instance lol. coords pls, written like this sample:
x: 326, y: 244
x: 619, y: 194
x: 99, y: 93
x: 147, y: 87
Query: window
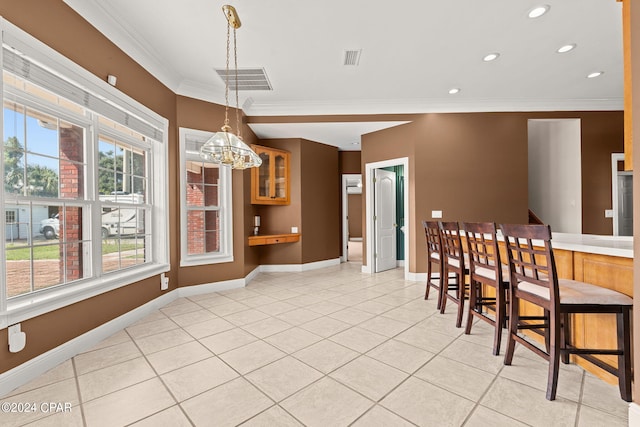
x: 85, y: 183
x: 206, y: 204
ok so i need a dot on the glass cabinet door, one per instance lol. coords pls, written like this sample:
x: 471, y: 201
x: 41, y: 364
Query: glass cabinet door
x: 280, y: 177
x: 270, y: 182
x: 264, y: 183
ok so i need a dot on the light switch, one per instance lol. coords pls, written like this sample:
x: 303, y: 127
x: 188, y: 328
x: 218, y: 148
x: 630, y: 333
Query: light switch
x: 436, y: 214
x: 608, y: 213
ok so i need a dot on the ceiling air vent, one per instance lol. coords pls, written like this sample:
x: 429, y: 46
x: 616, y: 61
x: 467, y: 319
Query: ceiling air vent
x: 352, y: 57
x: 248, y: 79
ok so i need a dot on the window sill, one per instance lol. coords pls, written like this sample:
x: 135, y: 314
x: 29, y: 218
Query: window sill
x: 205, y: 260
x: 29, y: 306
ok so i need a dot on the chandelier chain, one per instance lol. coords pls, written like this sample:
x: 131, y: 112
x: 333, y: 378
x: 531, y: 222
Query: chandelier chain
x: 235, y: 57
x: 226, y: 86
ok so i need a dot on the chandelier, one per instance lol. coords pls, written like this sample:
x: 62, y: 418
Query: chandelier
x: 225, y: 147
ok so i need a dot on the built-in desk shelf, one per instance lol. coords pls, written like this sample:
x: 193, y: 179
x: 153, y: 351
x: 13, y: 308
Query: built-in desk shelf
x: 273, y: 239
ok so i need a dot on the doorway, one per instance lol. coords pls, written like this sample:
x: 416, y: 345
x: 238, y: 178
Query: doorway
x: 555, y: 173
x: 622, y: 196
x: 352, y: 227
x: 400, y: 222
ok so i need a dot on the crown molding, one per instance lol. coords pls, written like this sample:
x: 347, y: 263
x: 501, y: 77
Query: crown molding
x: 106, y: 19
x: 413, y: 106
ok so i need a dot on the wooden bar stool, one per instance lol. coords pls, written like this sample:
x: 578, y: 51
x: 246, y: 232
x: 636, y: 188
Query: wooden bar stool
x: 534, y: 279
x: 454, y: 268
x: 485, y: 268
x: 434, y: 257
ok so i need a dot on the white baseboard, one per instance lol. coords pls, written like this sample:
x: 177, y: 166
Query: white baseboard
x: 37, y: 366
x: 417, y: 277
x: 207, y: 288
x: 399, y: 263
x: 634, y: 415
x: 366, y: 269
x: 293, y: 268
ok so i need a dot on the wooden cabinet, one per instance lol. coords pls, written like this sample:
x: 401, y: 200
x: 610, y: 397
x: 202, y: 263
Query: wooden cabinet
x: 270, y: 183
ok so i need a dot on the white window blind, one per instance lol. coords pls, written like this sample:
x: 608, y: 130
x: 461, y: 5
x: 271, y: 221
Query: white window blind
x: 29, y: 70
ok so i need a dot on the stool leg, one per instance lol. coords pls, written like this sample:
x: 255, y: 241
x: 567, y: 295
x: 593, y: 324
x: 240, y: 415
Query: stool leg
x: 547, y: 336
x: 624, y: 360
x: 472, y: 304
x: 440, y: 288
x: 500, y: 315
x: 514, y: 319
x: 444, y: 290
x: 426, y: 292
x: 565, y: 337
x: 554, y: 355
x: 461, y: 293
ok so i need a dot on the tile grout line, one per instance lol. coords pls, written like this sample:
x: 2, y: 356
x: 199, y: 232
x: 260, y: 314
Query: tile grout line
x: 80, y: 400
x: 163, y: 384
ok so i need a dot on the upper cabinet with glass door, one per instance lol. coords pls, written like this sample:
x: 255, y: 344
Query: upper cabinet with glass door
x: 270, y: 181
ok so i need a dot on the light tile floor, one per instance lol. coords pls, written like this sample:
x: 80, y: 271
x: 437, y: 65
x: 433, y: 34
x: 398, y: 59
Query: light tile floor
x: 331, y: 347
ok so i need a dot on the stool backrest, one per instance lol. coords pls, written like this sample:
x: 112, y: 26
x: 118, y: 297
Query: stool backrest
x: 482, y: 247
x: 531, y: 263
x: 452, y: 250
x: 434, y: 243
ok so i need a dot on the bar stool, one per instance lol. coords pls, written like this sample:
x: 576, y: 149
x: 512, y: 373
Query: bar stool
x: 454, y: 268
x: 534, y: 279
x: 434, y: 256
x: 485, y: 268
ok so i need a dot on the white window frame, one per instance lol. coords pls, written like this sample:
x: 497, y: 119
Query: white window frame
x: 32, y: 305
x: 225, y: 211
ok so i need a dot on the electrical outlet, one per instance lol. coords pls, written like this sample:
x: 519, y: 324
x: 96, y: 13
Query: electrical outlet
x: 164, y: 282
x: 17, y: 338
x: 436, y: 214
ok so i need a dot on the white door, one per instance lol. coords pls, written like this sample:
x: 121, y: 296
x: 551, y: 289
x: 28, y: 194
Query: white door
x: 384, y: 220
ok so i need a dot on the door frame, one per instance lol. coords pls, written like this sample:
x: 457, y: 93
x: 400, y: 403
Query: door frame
x: 615, y: 158
x: 369, y: 197
x: 345, y: 213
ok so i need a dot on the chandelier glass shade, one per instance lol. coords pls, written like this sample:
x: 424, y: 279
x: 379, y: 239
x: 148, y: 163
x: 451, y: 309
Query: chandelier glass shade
x: 225, y: 147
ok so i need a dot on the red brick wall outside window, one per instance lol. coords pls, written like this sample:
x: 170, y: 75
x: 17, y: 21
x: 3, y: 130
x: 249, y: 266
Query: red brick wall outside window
x: 203, y: 219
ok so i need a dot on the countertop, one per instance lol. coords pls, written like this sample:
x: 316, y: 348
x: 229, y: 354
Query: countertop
x: 621, y: 246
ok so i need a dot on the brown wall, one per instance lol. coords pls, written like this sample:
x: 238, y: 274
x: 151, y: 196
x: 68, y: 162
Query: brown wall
x: 473, y: 167
x: 320, y: 202
x: 349, y: 162
x: 315, y: 211
x: 355, y: 215
x: 602, y: 134
x: 196, y: 114
x: 279, y: 219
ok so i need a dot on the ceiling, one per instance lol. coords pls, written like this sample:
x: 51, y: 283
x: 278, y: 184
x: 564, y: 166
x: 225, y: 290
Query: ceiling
x: 412, y: 53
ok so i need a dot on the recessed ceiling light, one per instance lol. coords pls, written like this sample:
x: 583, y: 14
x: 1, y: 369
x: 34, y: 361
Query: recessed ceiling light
x: 566, y: 48
x: 491, y: 57
x: 595, y: 74
x: 454, y: 90
x: 538, y: 11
